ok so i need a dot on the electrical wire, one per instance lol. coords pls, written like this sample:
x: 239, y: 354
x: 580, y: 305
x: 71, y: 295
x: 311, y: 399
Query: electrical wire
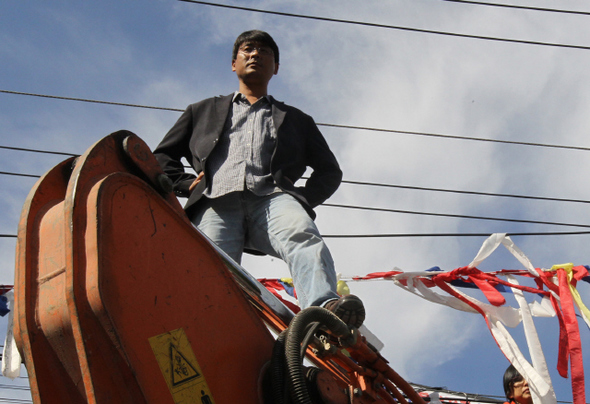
x: 56, y: 97
x: 412, y: 235
x: 400, y: 211
x: 471, y: 397
x: 10, y: 387
x: 14, y: 400
x: 377, y: 184
x: 456, y: 191
x: 38, y: 151
x: 467, y: 397
x: 410, y: 212
x: 375, y: 25
x: 339, y: 126
x: 553, y: 10
x: 403, y: 132
x: 19, y: 175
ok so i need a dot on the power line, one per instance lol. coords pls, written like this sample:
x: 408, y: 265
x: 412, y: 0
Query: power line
x: 553, y: 10
x: 383, y: 185
x: 403, y: 132
x: 455, y: 191
x: 38, y: 151
x: 367, y: 208
x: 19, y: 175
x: 469, y: 397
x: 408, y: 235
x: 375, y: 25
x: 10, y: 387
x: 404, y: 235
x: 366, y: 128
x: 92, y: 101
x: 14, y: 400
x: 410, y: 212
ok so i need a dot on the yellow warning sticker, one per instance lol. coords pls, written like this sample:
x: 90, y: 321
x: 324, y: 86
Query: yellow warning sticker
x: 180, y: 368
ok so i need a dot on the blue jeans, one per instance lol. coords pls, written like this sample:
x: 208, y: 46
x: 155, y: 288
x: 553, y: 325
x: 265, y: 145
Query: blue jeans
x: 276, y: 225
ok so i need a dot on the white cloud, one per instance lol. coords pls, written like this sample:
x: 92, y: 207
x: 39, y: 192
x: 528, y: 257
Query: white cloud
x: 170, y: 55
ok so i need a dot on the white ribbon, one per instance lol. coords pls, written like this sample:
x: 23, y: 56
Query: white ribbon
x: 536, y: 374
x: 11, y: 358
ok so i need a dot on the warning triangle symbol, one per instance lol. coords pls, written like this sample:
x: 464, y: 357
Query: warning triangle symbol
x: 181, y: 369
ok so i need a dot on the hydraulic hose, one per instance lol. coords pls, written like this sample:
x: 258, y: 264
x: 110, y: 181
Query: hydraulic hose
x: 293, y: 350
x: 277, y: 369
x: 310, y: 333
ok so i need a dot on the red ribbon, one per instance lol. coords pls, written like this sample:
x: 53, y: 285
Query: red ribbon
x: 570, y: 345
x: 574, y: 344
x: 273, y: 286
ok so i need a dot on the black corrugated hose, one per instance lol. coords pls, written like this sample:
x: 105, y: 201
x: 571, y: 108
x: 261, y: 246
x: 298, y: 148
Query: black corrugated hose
x: 277, y: 369
x: 298, y: 330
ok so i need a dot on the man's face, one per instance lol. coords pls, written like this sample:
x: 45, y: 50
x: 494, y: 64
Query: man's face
x: 520, y: 392
x: 255, y: 63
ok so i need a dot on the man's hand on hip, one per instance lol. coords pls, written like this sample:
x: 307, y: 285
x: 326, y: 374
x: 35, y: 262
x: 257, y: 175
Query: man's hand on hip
x: 196, y: 181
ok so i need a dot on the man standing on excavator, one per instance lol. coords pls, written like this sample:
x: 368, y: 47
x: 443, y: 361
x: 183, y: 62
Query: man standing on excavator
x: 248, y: 151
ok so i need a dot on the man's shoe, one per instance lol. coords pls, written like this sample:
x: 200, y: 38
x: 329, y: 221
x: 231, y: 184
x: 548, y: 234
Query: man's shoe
x: 349, y: 309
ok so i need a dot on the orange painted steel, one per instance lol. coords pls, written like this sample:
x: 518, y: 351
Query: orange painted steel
x: 104, y: 264
x: 119, y: 299
x: 34, y: 287
x: 368, y: 373
x: 365, y: 356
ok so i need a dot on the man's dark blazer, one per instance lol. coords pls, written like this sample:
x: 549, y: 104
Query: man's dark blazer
x: 299, y: 145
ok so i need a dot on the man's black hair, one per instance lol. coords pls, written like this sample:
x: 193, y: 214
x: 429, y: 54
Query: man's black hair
x: 510, y: 377
x: 256, y: 36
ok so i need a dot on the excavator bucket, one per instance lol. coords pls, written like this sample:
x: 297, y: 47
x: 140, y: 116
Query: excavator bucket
x: 119, y: 299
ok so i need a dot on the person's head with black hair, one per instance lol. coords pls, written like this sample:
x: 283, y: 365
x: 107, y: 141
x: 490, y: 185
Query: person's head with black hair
x: 516, y: 388
x: 257, y: 37
x: 255, y: 61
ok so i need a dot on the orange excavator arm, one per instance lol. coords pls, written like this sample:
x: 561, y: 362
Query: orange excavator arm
x: 119, y: 299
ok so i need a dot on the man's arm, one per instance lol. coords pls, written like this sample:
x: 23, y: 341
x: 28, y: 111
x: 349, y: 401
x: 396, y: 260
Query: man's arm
x: 172, y: 149
x: 327, y: 175
x: 300, y: 145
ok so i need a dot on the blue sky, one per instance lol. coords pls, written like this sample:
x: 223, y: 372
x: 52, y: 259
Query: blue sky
x: 168, y: 54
